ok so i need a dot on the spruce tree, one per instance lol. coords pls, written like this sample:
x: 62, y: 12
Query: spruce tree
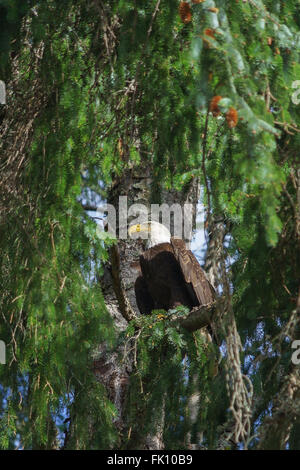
x: 153, y: 100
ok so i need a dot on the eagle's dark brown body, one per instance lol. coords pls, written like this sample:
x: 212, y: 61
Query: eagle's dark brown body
x: 171, y: 276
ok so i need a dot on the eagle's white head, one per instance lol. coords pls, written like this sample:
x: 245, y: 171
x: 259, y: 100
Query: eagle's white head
x: 153, y: 232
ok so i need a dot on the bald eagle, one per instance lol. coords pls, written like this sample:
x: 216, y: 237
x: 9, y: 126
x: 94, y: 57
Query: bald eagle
x: 170, y: 274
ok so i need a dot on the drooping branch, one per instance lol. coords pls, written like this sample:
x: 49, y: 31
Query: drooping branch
x: 239, y: 387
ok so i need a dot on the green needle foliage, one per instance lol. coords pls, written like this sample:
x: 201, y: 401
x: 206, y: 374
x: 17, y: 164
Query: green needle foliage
x: 184, y: 363
x: 95, y: 89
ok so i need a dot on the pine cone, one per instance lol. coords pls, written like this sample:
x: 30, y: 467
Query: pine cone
x: 232, y: 118
x: 185, y: 12
x: 214, y: 108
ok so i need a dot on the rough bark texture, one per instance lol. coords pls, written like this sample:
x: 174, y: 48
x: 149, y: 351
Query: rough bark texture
x: 214, y: 254
x: 276, y: 430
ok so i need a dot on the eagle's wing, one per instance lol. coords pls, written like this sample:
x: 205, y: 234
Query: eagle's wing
x: 192, y: 272
x: 143, y: 297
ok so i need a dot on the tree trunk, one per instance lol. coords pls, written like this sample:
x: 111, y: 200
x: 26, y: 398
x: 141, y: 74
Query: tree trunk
x: 118, y: 287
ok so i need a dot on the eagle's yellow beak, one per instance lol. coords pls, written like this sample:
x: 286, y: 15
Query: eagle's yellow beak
x: 139, y: 228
